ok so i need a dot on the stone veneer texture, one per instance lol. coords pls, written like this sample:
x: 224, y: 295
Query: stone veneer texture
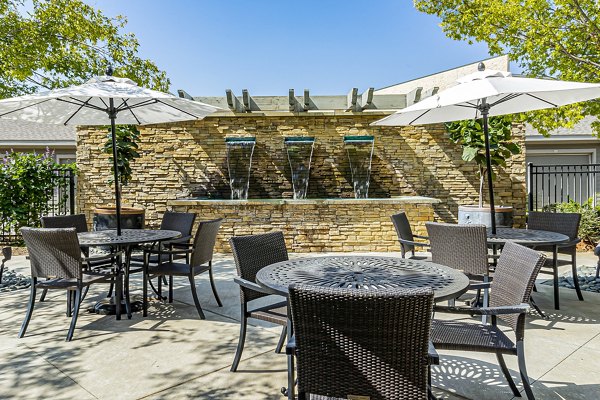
x: 189, y: 159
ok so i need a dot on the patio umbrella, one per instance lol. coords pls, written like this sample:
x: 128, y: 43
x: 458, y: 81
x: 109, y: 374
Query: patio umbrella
x: 488, y: 93
x: 100, y: 101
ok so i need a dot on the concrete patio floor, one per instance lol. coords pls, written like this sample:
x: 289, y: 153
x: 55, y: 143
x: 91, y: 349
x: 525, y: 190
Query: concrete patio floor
x: 172, y: 354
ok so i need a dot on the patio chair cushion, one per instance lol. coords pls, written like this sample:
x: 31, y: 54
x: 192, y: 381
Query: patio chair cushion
x: 274, y: 313
x: 175, y: 269
x: 459, y: 335
x: 87, y: 279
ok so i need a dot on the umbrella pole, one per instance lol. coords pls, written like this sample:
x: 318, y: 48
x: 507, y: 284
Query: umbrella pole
x: 485, y: 108
x: 112, y: 114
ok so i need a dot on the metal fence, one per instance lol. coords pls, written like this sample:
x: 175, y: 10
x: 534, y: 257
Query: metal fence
x: 62, y: 202
x: 551, y: 184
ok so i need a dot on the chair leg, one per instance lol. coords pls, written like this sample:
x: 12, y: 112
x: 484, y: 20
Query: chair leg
x: 43, y: 296
x: 77, y: 301
x: 145, y: 291
x: 281, y: 342
x: 575, y: 277
x: 523, y: 370
x: 507, y: 375
x: 170, y: 288
x: 537, y: 308
x: 212, y: 284
x: 555, y: 278
x: 241, y: 340
x: 111, y: 288
x: 29, y: 309
x: 69, y: 303
x: 195, y: 295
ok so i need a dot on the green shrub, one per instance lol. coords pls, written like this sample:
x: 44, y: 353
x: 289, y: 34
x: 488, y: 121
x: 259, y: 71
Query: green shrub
x: 27, y: 182
x: 589, y: 228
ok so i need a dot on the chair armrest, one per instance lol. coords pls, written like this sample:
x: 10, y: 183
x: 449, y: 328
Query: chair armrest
x: 516, y: 309
x: 434, y: 357
x: 249, y: 285
x: 413, y: 243
x: 290, y: 347
x: 421, y: 237
x: 156, y: 251
x: 570, y: 243
x: 106, y: 257
x: 480, y: 285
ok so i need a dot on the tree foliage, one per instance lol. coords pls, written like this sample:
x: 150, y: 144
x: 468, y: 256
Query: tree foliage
x: 553, y: 38
x: 27, y: 183
x: 56, y: 43
x: 126, y: 137
x: 469, y: 134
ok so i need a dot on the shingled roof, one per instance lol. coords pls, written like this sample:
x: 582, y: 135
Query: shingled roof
x: 29, y: 132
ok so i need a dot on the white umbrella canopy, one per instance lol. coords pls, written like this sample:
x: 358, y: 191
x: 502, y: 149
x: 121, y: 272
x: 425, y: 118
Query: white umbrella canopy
x: 89, y: 104
x: 488, y: 93
x: 104, y: 100
x: 504, y: 94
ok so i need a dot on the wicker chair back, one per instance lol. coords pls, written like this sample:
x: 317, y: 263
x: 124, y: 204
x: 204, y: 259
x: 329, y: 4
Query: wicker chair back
x: 462, y: 247
x: 178, y: 221
x: 77, y: 221
x: 53, y: 252
x: 204, y: 242
x: 565, y: 223
x: 253, y: 252
x: 514, y: 277
x: 362, y: 343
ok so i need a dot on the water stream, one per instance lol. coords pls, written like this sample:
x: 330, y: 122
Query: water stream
x: 239, y: 162
x: 299, y: 151
x: 360, y: 154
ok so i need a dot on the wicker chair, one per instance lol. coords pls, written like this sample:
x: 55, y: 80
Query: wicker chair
x: 55, y: 255
x: 251, y: 253
x: 567, y: 224
x: 172, y: 221
x: 515, y: 275
x: 358, y: 343
x: 79, y: 222
x: 406, y: 237
x: 200, y: 261
x: 462, y: 247
x: 6, y: 256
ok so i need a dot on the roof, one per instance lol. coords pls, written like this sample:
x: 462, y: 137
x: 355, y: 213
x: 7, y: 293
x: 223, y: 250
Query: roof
x: 582, y: 128
x: 13, y: 131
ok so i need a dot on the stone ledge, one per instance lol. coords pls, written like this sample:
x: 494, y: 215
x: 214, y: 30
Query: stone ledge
x: 271, y: 202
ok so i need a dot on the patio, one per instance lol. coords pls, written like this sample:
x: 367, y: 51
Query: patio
x: 173, y: 354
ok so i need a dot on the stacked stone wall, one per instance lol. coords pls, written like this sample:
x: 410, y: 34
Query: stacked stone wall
x: 188, y: 159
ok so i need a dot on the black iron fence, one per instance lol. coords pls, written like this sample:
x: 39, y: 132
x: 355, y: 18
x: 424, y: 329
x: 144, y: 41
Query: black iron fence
x: 61, y: 202
x: 551, y: 184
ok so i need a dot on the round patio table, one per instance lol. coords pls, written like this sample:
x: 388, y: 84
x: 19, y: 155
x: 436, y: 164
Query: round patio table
x: 526, y: 237
x: 126, y: 241
x: 364, y: 272
x: 359, y: 272
x: 532, y: 238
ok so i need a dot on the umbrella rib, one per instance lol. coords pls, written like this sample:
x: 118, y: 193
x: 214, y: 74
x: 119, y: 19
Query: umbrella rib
x: 131, y: 111
x: 411, y: 122
x: 542, y: 100
x: 80, y: 107
x: 140, y: 104
x: 506, y: 98
x: 195, y: 116
x: 78, y: 102
x: 22, y: 108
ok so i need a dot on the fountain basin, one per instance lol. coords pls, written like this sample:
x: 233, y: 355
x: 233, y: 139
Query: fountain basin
x: 314, y: 225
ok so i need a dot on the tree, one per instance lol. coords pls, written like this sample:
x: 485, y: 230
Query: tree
x: 62, y: 42
x: 469, y: 134
x: 126, y: 137
x: 554, y: 38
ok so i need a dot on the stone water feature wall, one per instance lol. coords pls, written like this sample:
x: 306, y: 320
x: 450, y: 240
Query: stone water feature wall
x: 188, y: 159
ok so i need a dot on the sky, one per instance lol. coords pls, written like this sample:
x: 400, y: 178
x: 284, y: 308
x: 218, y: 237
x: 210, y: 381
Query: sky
x: 269, y: 46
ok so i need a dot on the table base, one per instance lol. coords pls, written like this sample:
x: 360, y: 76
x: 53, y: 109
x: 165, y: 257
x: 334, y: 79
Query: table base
x: 108, y: 307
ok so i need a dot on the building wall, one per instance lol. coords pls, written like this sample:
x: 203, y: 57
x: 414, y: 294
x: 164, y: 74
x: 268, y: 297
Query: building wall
x: 189, y: 159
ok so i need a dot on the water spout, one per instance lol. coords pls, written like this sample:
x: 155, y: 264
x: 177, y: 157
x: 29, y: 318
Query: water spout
x: 360, y: 154
x: 239, y: 162
x: 299, y: 151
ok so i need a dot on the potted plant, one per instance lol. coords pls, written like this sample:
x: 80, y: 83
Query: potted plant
x: 131, y: 217
x: 469, y: 134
